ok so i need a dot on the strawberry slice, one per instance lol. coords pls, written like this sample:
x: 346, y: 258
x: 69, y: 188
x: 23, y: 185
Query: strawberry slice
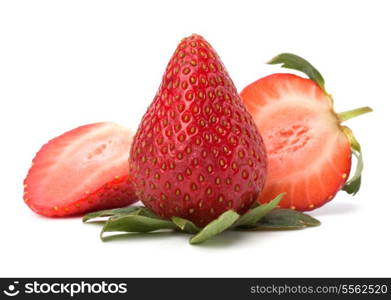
x: 309, y: 152
x: 82, y: 170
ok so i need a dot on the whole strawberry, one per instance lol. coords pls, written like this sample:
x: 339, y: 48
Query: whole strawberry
x: 197, y: 152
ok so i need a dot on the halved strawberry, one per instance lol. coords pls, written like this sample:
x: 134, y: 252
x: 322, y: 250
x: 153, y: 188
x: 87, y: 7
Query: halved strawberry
x: 82, y: 170
x: 309, y: 152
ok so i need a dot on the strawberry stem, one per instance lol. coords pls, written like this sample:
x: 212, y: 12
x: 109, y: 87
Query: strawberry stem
x: 349, y: 114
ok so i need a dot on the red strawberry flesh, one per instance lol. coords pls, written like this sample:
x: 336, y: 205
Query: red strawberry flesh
x: 84, y: 169
x: 309, y: 156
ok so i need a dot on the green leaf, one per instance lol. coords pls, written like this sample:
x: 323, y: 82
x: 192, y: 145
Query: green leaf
x: 135, y: 223
x: 277, y: 226
x: 280, y: 218
x: 111, y: 212
x: 349, y: 114
x: 185, y: 225
x: 223, y: 222
x: 352, y: 186
x: 284, y: 219
x: 295, y: 62
x: 254, y: 215
x: 146, y: 212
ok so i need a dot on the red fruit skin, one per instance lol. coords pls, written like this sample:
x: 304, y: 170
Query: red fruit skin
x: 197, y: 152
x: 305, y: 192
x: 117, y: 192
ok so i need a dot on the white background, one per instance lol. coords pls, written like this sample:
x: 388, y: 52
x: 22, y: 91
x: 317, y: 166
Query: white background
x: 68, y: 63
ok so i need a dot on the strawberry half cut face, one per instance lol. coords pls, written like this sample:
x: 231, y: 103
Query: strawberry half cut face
x: 82, y: 170
x: 308, y: 154
x: 309, y: 151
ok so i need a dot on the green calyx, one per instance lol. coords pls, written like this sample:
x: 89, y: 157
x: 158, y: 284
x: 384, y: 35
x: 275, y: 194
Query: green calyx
x: 352, y: 186
x: 139, y: 219
x: 295, y: 62
x: 350, y: 114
